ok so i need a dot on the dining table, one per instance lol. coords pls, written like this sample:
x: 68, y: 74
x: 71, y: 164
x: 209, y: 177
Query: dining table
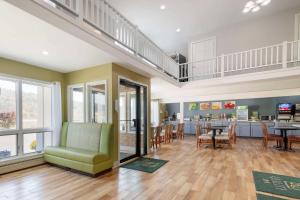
x: 283, y: 132
x: 214, y: 129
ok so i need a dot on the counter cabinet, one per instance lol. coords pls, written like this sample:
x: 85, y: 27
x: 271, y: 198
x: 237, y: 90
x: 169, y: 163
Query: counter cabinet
x: 243, y: 129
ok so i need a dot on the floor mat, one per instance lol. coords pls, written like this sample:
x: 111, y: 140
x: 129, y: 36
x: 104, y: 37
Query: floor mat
x: 277, y: 184
x: 148, y: 165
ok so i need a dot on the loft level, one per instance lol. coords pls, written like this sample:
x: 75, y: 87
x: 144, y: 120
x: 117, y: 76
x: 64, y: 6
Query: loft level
x: 276, y: 57
x: 103, y: 19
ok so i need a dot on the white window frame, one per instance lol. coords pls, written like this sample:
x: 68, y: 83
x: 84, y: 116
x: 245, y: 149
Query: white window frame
x: 86, y: 99
x: 19, y: 131
x: 70, y: 101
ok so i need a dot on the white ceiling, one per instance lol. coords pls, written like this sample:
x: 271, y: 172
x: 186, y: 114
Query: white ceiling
x: 193, y: 17
x: 24, y: 37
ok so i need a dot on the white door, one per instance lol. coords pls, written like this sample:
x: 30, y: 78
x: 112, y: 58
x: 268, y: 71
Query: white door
x: 202, y: 55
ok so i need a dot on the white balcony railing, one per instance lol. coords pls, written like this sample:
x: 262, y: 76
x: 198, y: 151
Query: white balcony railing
x: 280, y: 56
x: 103, y: 17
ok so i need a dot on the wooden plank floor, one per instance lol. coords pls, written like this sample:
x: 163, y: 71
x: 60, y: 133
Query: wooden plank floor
x: 191, y: 173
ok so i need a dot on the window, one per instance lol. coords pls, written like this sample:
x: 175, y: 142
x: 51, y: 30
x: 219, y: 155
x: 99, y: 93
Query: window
x: 96, y: 95
x: 36, y: 105
x: 77, y: 106
x: 25, y: 117
x: 8, y: 107
x: 88, y: 102
x: 8, y: 146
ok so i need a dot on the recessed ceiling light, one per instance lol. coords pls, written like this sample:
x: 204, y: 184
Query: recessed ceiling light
x: 162, y: 7
x: 178, y: 30
x: 266, y: 2
x: 255, y: 9
x: 45, y: 53
x: 246, y: 10
x: 255, y: 6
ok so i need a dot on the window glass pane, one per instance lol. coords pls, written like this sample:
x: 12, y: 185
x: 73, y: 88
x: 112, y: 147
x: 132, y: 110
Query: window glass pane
x: 122, y: 111
x: 77, y: 105
x: 7, y: 105
x: 32, y: 142
x: 32, y: 104
x: 8, y: 146
x: 47, y: 139
x: 97, y: 103
x: 36, y: 104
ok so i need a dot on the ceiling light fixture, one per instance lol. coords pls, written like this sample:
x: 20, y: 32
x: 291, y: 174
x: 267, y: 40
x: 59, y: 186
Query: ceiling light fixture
x: 45, y: 53
x: 178, y: 30
x: 255, y: 6
x: 162, y: 7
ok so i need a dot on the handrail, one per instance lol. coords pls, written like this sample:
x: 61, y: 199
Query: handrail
x: 105, y: 18
x: 278, y: 56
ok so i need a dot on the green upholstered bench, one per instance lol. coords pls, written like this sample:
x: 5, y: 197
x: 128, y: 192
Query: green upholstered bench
x: 86, y: 147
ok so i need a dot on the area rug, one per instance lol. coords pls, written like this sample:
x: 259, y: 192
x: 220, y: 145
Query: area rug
x: 277, y: 184
x: 148, y: 165
x: 266, y: 197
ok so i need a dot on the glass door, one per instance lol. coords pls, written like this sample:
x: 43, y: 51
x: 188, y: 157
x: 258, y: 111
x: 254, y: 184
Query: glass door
x: 132, y: 120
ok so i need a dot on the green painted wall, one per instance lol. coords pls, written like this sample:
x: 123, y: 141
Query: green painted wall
x: 109, y: 72
x: 101, y: 72
x: 18, y: 69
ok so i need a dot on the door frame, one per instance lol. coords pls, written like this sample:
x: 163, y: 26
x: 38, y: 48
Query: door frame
x: 146, y: 136
x: 200, y: 41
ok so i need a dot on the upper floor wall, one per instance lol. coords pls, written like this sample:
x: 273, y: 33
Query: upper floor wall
x: 256, y: 33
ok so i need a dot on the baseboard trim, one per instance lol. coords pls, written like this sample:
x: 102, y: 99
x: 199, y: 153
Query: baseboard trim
x: 5, y: 169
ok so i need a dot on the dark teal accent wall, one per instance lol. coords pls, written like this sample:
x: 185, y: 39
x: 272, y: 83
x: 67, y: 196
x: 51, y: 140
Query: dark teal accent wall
x: 173, y: 107
x: 265, y: 106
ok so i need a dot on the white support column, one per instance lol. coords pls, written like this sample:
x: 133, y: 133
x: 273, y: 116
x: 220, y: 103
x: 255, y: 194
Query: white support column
x: 284, y: 54
x: 181, y: 111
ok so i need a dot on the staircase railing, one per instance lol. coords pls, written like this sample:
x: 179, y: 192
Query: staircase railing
x: 103, y: 17
x: 279, y: 56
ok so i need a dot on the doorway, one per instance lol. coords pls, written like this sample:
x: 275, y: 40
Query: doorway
x: 132, y: 120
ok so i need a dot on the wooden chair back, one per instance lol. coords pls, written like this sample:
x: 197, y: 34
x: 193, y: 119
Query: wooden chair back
x: 208, y: 128
x: 198, y: 130
x: 264, y: 129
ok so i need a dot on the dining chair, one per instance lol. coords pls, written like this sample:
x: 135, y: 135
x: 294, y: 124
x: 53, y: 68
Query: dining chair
x: 202, y: 138
x: 175, y: 133
x: 158, y: 136
x: 270, y: 137
x: 226, y: 138
x: 181, y: 131
x: 234, y: 132
x: 208, y: 129
x: 152, y: 140
x: 293, y: 139
x: 168, y: 133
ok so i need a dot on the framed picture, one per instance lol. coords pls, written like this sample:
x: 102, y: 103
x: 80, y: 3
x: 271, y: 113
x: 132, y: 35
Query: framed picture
x: 204, y: 106
x: 229, y: 105
x: 193, y: 106
x: 216, y: 105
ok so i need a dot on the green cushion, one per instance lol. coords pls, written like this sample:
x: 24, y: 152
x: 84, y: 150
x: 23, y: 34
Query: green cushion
x: 84, y: 136
x: 80, y: 155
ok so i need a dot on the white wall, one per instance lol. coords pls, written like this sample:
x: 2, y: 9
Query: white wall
x: 230, y: 88
x: 255, y: 33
